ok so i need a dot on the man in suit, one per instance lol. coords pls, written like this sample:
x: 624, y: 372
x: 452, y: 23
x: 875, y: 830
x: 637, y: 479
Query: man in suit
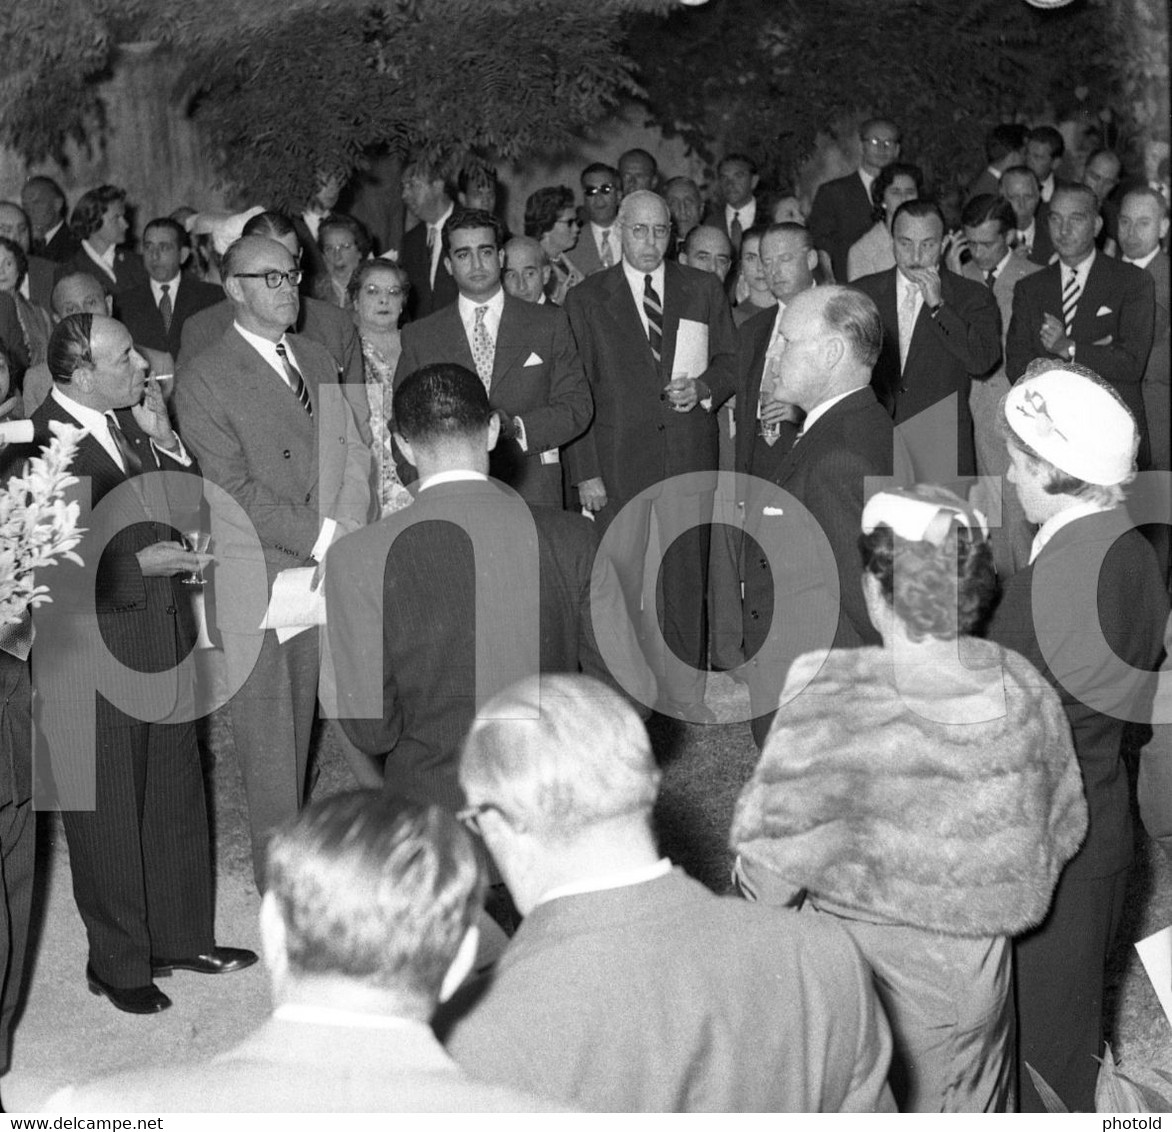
x: 1086, y: 307
x: 686, y: 206
x: 1044, y: 149
x: 416, y: 605
x: 527, y: 270
x: 425, y: 193
x: 802, y: 587
x: 131, y: 791
x: 940, y: 332
x: 368, y: 924
x: 524, y: 354
x: 1004, y: 147
x: 155, y: 312
x: 738, y: 179
x: 44, y: 203
x: 1089, y: 613
x: 262, y: 411
x: 986, y: 223
x: 637, y: 170
x: 1031, y: 237
x: 663, y: 996
x: 658, y: 344
x: 842, y: 210
x: 599, y: 245
x: 38, y: 281
x: 1101, y: 176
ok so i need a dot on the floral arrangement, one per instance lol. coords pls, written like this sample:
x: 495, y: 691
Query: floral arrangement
x: 37, y: 526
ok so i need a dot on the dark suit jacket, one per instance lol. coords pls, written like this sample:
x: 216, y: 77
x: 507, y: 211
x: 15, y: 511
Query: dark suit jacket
x: 140, y: 314
x: 984, y: 182
x: 42, y: 274
x: 1158, y: 372
x: 12, y: 335
x: 947, y: 352
x: 313, y: 263
x: 62, y: 247
x: 714, y: 216
x: 840, y: 214
x: 584, y: 254
x: 1092, y: 562
x: 406, y: 604
x: 1042, y: 251
x: 637, y: 439
x: 817, y: 586
x: 536, y: 375
x: 128, y: 272
x: 662, y: 997
x: 415, y: 259
x: 1113, y: 327
x: 753, y: 455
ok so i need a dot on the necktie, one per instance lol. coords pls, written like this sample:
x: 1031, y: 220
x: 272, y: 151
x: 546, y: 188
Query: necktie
x: 165, y: 307
x: 735, y: 232
x: 607, y: 255
x: 130, y: 459
x: 653, y: 309
x: 1022, y: 242
x: 990, y: 279
x: 295, y: 380
x: 483, y: 347
x: 1070, y: 293
x: 430, y: 237
x: 907, y: 324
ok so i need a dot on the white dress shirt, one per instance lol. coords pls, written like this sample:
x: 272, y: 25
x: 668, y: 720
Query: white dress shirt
x: 616, y: 243
x: 821, y: 410
x: 157, y: 289
x: 99, y: 428
x: 636, y: 281
x: 1143, y: 263
x: 746, y: 214
x: 492, y: 315
x: 436, y: 236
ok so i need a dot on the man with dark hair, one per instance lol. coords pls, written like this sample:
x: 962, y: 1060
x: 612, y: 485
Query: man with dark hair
x: 156, y: 311
x: 1086, y: 307
x: 940, y: 332
x: 599, y: 245
x: 425, y: 193
x: 1031, y: 239
x: 1101, y: 175
x: 1004, y: 147
x: 44, y: 202
x: 738, y: 211
x: 523, y: 353
x: 637, y: 170
x: 1044, y: 147
x: 263, y: 412
x: 131, y: 791
x: 439, y: 604
x: 368, y: 924
x: 707, y: 248
x: 686, y: 206
x: 832, y: 340
x: 630, y: 987
x: 842, y: 211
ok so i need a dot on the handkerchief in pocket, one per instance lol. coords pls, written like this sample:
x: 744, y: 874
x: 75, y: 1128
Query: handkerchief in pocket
x: 1102, y: 311
x: 773, y: 511
x: 533, y: 360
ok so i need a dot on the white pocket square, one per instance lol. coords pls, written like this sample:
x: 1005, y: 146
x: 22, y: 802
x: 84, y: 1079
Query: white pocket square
x: 1102, y: 311
x: 773, y: 511
x: 533, y: 360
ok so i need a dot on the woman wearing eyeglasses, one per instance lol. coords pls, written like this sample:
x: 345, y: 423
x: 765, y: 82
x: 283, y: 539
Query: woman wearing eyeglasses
x: 551, y: 218
x: 344, y: 244
x: 377, y: 294
x: 924, y: 793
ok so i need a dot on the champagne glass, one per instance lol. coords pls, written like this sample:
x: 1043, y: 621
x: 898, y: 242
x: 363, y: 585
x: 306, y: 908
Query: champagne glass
x: 198, y: 542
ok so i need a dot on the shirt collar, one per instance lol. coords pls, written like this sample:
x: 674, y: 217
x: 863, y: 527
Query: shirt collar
x: 157, y: 288
x: 819, y: 411
x: 1142, y: 263
x: 604, y: 882
x: 106, y: 260
x: 442, y: 220
x: 1056, y: 522
x: 1001, y: 264
x: 456, y: 475
x: 355, y: 1019
x: 83, y: 414
x: 1082, y: 269
x: 496, y: 306
x: 635, y: 278
x: 746, y: 213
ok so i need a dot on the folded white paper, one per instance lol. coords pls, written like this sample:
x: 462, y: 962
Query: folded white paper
x: 16, y: 432
x: 1155, y: 952
x: 294, y: 605
x: 691, y: 356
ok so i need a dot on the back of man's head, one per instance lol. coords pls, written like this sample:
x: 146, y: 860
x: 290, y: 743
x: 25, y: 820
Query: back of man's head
x: 560, y: 754
x: 274, y: 225
x: 76, y: 293
x: 375, y: 891
x: 855, y: 318
x: 440, y: 402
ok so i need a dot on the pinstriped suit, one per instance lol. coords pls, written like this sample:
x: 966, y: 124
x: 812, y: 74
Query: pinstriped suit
x: 140, y: 858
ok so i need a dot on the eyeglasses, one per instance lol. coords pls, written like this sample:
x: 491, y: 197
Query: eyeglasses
x: 640, y: 231
x: 570, y: 220
x: 594, y: 190
x: 273, y: 279
x: 469, y: 817
x: 385, y: 292
x: 882, y: 143
x: 328, y: 248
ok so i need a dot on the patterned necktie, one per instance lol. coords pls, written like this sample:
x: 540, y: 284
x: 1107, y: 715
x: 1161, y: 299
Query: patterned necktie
x: 295, y: 380
x: 907, y: 324
x: 990, y: 279
x: 735, y: 232
x: 1070, y: 294
x: 130, y: 459
x: 165, y: 307
x: 653, y: 309
x: 607, y: 255
x: 483, y: 347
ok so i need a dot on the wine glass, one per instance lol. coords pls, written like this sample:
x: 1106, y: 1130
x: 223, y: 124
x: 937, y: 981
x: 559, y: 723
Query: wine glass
x: 198, y: 542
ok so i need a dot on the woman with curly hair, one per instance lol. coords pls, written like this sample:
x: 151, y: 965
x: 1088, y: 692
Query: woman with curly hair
x: 926, y: 794
x: 99, y: 221
x: 344, y: 243
x: 551, y: 218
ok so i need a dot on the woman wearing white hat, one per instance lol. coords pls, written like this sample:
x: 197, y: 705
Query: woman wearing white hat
x: 1089, y: 612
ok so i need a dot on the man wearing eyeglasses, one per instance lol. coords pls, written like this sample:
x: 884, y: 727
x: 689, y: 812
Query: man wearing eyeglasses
x: 599, y: 245
x: 658, y: 344
x: 263, y: 412
x: 841, y: 212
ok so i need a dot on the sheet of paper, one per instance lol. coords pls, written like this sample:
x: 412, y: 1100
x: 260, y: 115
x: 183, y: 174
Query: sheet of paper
x: 1155, y: 953
x: 691, y: 356
x: 294, y: 605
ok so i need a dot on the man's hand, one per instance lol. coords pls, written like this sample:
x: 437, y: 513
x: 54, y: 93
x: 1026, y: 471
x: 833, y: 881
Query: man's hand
x: 957, y: 243
x: 162, y: 559
x: 1053, y: 336
x: 152, y: 417
x: 928, y: 281
x: 774, y: 412
x: 592, y: 494
x: 508, y: 429
x: 683, y: 393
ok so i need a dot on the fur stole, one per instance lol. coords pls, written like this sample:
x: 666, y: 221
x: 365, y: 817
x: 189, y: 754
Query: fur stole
x: 861, y: 796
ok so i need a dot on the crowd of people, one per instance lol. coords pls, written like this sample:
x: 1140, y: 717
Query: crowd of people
x: 486, y: 501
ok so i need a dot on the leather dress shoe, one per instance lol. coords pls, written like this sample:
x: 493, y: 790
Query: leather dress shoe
x: 218, y: 961
x: 134, y: 1000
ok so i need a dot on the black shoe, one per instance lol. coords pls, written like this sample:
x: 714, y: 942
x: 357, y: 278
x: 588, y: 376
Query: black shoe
x: 134, y: 1000
x: 218, y: 961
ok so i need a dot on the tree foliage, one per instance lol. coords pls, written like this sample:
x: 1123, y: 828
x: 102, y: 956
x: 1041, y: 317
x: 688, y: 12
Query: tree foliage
x: 285, y: 88
x: 766, y: 76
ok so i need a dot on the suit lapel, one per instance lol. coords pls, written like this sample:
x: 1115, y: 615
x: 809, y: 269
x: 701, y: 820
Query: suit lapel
x: 1094, y: 295
x: 258, y: 380
x: 674, y: 287
x: 510, y: 342
x: 621, y: 305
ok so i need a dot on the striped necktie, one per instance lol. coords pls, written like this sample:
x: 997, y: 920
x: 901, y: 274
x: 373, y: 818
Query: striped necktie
x: 295, y: 380
x: 1070, y: 295
x: 653, y: 309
